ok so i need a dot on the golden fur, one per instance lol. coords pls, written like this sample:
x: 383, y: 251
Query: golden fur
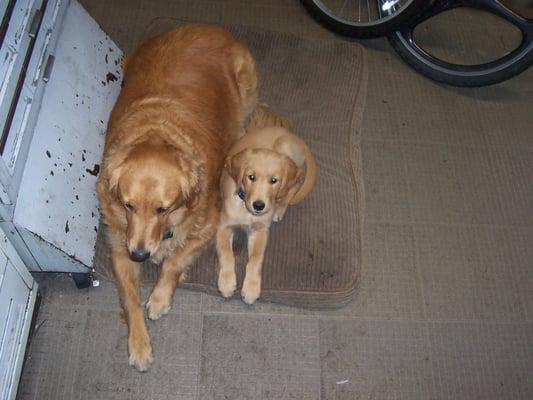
x: 186, y: 94
x: 267, y: 165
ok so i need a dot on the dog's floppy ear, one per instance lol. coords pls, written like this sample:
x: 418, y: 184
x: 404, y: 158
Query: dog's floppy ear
x: 113, y: 168
x: 191, y: 180
x: 193, y: 197
x: 236, y: 164
x: 291, y: 177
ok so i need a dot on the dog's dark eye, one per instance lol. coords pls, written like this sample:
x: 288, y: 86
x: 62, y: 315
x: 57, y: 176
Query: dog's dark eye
x: 273, y: 180
x: 251, y: 177
x: 129, y: 207
x: 162, y: 210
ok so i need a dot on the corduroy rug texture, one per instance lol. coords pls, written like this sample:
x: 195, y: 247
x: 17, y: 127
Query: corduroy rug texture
x: 314, y: 256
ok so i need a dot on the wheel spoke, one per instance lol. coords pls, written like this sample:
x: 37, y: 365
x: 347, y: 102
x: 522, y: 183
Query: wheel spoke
x: 342, y: 8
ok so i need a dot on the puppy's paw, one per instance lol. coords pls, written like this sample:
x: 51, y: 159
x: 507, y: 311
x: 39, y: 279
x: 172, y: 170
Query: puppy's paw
x: 157, y: 306
x: 140, y: 351
x: 227, y: 283
x: 251, y: 289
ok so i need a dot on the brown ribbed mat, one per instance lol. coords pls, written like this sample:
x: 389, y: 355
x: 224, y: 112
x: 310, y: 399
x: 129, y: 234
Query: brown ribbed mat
x: 313, y: 257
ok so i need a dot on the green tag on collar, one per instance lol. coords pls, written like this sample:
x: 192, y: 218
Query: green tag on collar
x: 168, y: 234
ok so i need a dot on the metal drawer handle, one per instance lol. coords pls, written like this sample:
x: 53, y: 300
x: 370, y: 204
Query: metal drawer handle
x: 48, y: 68
x: 35, y: 23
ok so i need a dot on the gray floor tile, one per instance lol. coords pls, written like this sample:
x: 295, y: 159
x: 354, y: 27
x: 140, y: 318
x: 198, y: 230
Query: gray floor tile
x: 452, y: 184
x: 260, y: 357
x: 389, y: 287
x: 482, y: 361
x: 512, y: 169
x: 386, y: 190
x: 467, y: 275
x: 408, y: 108
x: 506, y: 112
x: 103, y: 373
x: 375, y: 360
x: 81, y: 333
x: 507, y: 254
x: 55, y: 353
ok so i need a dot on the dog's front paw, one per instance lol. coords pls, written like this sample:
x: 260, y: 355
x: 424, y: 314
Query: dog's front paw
x: 227, y: 283
x: 140, y: 351
x: 279, y: 214
x: 157, y: 306
x: 251, y: 289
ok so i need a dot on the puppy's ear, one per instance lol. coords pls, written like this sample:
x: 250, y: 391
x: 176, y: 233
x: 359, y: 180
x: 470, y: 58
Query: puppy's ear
x: 291, y: 177
x: 236, y: 164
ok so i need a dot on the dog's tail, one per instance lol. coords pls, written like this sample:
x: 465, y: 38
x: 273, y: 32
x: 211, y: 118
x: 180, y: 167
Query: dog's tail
x: 262, y: 117
x: 310, y: 171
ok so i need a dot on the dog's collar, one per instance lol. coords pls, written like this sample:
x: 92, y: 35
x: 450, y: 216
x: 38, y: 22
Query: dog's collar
x: 168, y: 234
x: 241, y: 193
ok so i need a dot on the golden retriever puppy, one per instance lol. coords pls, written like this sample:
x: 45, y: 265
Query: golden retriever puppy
x: 186, y: 95
x: 263, y: 175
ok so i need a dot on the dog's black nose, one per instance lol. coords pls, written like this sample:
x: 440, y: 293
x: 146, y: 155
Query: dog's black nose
x: 139, y: 255
x: 258, y: 205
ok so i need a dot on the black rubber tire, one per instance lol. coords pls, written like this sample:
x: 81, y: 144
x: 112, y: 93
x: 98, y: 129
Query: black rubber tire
x: 482, y: 75
x: 363, y: 30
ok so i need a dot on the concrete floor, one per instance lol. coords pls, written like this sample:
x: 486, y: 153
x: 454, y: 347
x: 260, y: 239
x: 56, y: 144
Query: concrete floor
x: 445, y: 306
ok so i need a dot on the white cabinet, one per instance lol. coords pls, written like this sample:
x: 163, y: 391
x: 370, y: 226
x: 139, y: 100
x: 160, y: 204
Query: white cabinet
x: 17, y: 299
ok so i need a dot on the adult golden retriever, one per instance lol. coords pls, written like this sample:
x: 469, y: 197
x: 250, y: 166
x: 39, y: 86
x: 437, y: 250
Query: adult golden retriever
x: 186, y: 95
